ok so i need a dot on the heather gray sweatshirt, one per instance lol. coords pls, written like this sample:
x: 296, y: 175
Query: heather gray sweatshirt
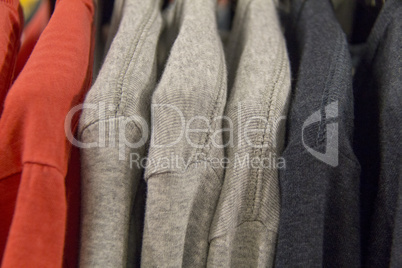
x: 246, y: 221
x: 117, y: 122
x: 182, y: 195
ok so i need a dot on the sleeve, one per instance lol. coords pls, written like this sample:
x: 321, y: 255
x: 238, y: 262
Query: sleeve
x: 55, y: 79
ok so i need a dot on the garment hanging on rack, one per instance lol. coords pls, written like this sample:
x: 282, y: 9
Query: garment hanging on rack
x: 182, y: 197
x: 173, y: 66
x: 319, y: 219
x: 244, y: 230
x: 110, y: 182
x: 34, y: 151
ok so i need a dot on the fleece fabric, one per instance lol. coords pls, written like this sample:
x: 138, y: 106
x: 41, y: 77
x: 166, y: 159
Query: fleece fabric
x: 115, y: 129
x: 34, y: 150
x: 245, y: 225
x: 183, y: 174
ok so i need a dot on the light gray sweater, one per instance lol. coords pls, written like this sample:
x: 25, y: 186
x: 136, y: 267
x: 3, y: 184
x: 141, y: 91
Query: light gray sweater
x: 182, y: 195
x: 245, y: 224
x: 116, y: 119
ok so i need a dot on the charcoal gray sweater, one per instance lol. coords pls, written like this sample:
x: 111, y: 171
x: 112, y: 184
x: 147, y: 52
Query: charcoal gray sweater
x: 319, y: 220
x: 378, y: 90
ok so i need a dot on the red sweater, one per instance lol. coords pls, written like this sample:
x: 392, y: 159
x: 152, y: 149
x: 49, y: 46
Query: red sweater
x: 34, y: 151
x: 11, y: 23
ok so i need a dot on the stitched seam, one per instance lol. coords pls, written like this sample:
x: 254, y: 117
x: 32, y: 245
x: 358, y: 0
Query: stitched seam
x: 218, y: 101
x: 268, y: 130
x: 217, y: 104
x: 272, y: 101
x: 179, y: 172
x: 240, y: 224
x: 254, y: 174
x: 221, y: 89
x: 20, y: 169
x: 136, y: 55
x: 42, y: 164
x: 133, y: 44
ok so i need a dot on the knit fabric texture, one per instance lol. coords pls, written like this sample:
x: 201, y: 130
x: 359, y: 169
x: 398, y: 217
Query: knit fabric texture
x: 34, y: 150
x: 11, y: 24
x: 319, y: 220
x: 117, y: 124
x: 245, y: 225
x: 378, y: 121
x: 182, y: 196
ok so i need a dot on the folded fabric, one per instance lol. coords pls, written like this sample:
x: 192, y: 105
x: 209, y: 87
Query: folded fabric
x: 34, y: 150
x: 245, y: 226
